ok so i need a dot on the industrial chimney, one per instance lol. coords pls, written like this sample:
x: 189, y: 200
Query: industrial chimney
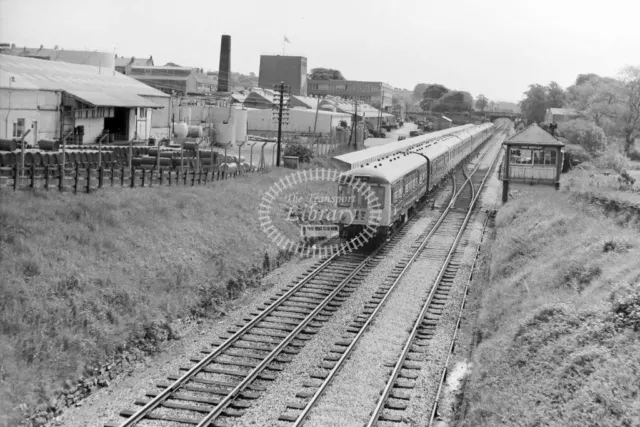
x: 225, y: 64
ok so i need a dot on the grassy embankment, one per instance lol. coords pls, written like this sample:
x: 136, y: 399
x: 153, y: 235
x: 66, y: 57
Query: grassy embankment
x: 559, y: 327
x: 85, y: 276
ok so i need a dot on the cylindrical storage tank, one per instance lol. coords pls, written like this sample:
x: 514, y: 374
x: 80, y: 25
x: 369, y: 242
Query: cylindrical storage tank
x: 46, y: 159
x: 70, y: 157
x: 49, y: 145
x: 194, y: 132
x: 54, y: 158
x: 4, y: 159
x: 241, y: 125
x: 7, y: 145
x: 185, y: 115
x: 11, y: 159
x: 192, y: 146
x: 229, y: 167
x: 180, y: 130
x: 37, y: 158
x: 28, y: 159
x: 84, y: 157
x: 138, y: 161
x: 225, y: 132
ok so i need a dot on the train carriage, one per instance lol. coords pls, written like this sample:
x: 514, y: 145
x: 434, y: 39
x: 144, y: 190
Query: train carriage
x: 400, y: 180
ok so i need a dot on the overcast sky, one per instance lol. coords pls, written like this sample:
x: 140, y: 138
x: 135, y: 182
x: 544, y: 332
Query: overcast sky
x: 494, y: 47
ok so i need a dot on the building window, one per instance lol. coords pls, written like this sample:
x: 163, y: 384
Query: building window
x: 143, y: 113
x: 18, y: 128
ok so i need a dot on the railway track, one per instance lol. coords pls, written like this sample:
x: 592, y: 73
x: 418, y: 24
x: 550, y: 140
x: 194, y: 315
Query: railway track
x: 388, y: 408
x: 440, y: 234
x: 227, y: 378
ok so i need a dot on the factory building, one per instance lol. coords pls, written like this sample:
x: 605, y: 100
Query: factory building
x: 292, y: 70
x: 103, y: 60
x: 369, y: 92
x: 58, y: 98
x: 123, y: 62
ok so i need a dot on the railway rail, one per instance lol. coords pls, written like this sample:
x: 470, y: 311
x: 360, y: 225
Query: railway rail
x: 237, y: 365
x: 225, y: 380
x: 432, y: 309
x: 453, y: 218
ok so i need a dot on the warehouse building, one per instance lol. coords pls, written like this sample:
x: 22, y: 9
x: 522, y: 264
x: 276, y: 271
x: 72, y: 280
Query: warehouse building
x: 59, y: 98
x: 369, y: 92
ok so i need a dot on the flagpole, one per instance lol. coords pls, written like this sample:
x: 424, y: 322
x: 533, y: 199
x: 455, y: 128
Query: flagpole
x: 283, y: 46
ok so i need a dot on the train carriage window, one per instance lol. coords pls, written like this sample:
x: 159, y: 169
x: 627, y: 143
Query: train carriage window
x: 344, y: 195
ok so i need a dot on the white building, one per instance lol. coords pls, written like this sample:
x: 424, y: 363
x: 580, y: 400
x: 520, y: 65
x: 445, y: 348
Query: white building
x: 58, y: 98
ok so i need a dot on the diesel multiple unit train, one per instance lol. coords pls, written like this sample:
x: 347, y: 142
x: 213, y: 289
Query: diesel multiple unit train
x: 402, y: 175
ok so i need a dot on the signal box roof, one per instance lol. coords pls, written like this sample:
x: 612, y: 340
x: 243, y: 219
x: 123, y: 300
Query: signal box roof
x: 534, y: 135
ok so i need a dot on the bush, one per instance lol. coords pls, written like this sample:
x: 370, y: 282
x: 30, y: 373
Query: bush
x: 304, y: 153
x: 575, y: 155
x: 612, y: 158
x: 585, y: 134
x: 634, y: 155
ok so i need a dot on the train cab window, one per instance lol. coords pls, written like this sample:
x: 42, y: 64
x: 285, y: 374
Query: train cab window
x: 378, y: 190
x: 344, y: 195
x: 359, y: 200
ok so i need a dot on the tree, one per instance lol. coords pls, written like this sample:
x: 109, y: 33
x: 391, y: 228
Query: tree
x: 434, y: 91
x: 325, y: 74
x: 599, y: 99
x: 631, y: 101
x: 482, y: 102
x: 456, y: 101
x: 534, y: 103
x: 584, y: 133
x: 418, y: 91
x: 556, y: 96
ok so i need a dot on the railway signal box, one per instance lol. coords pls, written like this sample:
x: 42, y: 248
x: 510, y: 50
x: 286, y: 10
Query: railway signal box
x: 533, y: 157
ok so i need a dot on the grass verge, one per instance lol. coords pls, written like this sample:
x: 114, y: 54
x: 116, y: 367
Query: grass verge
x: 86, y: 276
x: 559, y: 327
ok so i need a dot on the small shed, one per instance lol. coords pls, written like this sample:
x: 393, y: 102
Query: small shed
x: 532, y: 157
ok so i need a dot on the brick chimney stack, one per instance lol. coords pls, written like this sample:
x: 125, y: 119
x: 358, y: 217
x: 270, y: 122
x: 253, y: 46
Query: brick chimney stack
x: 225, y: 64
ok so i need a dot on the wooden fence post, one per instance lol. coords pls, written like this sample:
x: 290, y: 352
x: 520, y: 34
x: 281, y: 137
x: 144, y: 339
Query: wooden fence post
x: 161, y: 170
x: 88, y: 179
x: 60, y: 178
x: 133, y: 177
x: 185, y: 177
x: 169, y: 177
x: 113, y: 170
x: 122, y: 176
x: 32, y: 184
x: 15, y: 177
x: 75, y: 184
x: 199, y: 176
x: 100, y: 175
x: 144, y: 174
x: 46, y: 177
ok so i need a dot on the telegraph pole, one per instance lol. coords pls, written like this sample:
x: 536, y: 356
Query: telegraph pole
x: 282, y: 112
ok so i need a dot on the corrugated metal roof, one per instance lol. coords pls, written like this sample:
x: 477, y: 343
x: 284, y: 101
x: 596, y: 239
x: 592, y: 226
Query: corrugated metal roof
x: 533, y: 135
x: 120, y: 99
x: 99, y: 85
x: 103, y: 59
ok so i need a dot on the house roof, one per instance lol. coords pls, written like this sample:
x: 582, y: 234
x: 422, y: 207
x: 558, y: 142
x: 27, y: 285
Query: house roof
x: 533, y: 135
x: 91, y: 84
x: 563, y: 112
x: 307, y: 101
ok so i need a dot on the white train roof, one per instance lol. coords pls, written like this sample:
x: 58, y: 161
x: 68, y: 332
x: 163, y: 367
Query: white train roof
x: 389, y: 170
x: 362, y: 157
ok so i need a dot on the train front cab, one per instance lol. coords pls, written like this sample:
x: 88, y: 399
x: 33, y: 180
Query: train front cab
x: 354, y: 207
